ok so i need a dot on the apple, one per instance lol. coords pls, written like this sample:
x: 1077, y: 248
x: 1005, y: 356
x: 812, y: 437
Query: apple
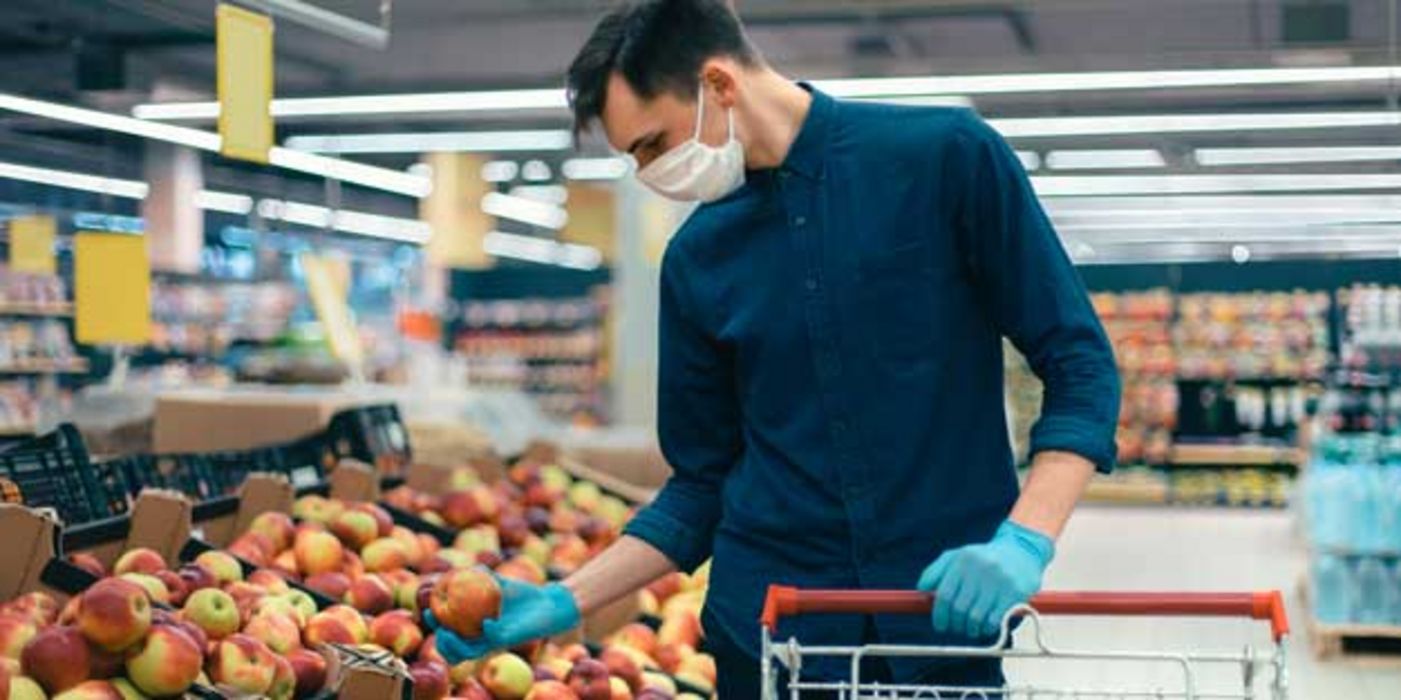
x: 302, y: 601
x: 355, y: 528
x: 430, y: 680
x: 569, y: 551
x: 636, y: 635
x: 681, y: 628
x: 352, y: 565
x: 620, y: 688
x: 256, y: 543
x: 397, y: 632
x: 245, y: 595
x: 353, y: 620
x: 318, y: 552
x: 127, y: 690
x: 555, y: 666
x: 428, y: 651
x: 522, y: 569
x: 563, y: 518
x: 190, y: 629
x: 310, y: 670
x: 176, y: 586
x: 213, y: 611
x: 432, y: 517
x: 383, y: 521
x: 103, y: 664
x: 463, y: 672
x: 463, y: 598
x: 277, y: 527
x: 316, y: 509
x: 536, y: 548
x: 25, y: 688
x: 667, y: 586
x: 542, y: 495
x: 370, y: 595
x: 58, y: 658
x: 155, y: 590
x: 401, y: 497
x: 327, y: 629
x: 278, y: 631
x: 166, y: 662
x: 270, y: 581
x: 589, y: 680
x: 529, y: 650
x: 15, y: 632
x: 584, y: 495
x: 385, y: 554
x: 286, y: 563
x: 550, y: 690
x: 473, y: 690
x: 88, y: 563
x: 279, y: 605
x: 513, y: 529
x: 654, y: 694
x: 404, y: 584
x: 114, y: 613
x: 652, y: 680
x: 574, y: 652
x: 197, y: 577
x: 90, y: 690
x: 223, y: 565
x: 142, y: 560
x: 623, y: 666
x: 244, y: 664
x: 506, y: 676
x: 284, y: 680
x: 332, y: 584
x: 461, y: 509
x: 38, y: 606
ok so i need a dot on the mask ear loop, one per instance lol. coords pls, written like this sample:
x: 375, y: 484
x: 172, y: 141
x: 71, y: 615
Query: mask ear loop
x: 700, y: 113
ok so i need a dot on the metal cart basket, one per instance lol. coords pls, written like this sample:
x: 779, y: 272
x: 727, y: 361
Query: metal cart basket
x: 1258, y: 675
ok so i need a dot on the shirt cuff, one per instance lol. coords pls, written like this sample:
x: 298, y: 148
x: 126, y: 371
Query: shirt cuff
x: 1082, y: 437
x: 685, y: 546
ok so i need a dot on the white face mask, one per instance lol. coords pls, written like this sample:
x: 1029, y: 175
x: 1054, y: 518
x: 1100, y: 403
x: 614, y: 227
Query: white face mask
x: 695, y: 172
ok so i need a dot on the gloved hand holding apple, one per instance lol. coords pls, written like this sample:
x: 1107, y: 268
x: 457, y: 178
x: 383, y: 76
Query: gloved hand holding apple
x: 476, y: 612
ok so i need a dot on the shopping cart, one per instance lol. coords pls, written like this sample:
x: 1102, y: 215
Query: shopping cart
x: 1187, y: 670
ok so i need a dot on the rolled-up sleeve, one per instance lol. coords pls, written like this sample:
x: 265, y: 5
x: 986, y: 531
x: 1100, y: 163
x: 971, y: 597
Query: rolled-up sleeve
x: 698, y: 426
x: 1035, y: 295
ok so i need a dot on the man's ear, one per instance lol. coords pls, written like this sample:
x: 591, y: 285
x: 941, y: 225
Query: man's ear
x: 720, y: 77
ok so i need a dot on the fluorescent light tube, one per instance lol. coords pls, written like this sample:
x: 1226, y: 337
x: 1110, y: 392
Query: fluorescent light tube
x: 524, y: 210
x: 436, y: 142
x: 1275, y: 156
x: 348, y: 171
x: 539, y: 250
x: 1090, y: 159
x: 127, y: 189
x: 1077, y: 185
x: 536, y: 171
x: 226, y: 202
x: 596, y: 168
x: 500, y: 170
x: 1187, y: 123
x: 1031, y: 160
x: 353, y: 105
x: 360, y: 223
x: 548, y: 194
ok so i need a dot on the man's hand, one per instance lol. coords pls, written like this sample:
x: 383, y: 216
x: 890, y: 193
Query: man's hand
x: 975, y: 586
x: 528, y: 612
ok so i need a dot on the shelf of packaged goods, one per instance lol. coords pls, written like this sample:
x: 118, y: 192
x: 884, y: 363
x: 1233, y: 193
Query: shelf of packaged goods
x: 1234, y: 456
x: 73, y: 366
x: 1128, y: 491
x: 49, y: 310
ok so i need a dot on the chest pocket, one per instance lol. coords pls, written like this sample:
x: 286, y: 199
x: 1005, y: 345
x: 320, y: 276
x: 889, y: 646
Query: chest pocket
x: 900, y: 304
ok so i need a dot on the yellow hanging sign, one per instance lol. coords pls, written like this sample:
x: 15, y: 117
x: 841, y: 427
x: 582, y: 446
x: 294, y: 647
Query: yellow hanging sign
x: 245, y: 77
x: 111, y: 289
x: 327, y: 283
x: 32, y: 245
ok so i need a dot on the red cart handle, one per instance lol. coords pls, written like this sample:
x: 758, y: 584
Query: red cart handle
x: 786, y: 601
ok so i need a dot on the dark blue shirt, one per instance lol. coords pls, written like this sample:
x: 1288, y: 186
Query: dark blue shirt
x: 831, y: 377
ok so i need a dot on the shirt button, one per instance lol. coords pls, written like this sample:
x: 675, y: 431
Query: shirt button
x: 800, y: 221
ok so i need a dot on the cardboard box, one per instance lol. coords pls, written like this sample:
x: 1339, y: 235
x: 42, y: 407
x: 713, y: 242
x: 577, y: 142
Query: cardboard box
x: 241, y: 418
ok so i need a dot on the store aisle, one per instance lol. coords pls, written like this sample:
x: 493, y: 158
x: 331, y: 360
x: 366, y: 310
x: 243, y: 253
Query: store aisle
x: 1181, y: 549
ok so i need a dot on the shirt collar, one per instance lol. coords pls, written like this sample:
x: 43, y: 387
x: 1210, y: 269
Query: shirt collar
x: 806, y: 154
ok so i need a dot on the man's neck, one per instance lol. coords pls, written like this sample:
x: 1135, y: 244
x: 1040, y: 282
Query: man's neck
x: 773, y: 116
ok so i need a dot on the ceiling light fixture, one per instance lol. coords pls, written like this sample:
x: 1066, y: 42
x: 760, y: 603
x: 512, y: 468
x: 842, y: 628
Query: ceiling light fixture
x: 1105, y: 159
x: 500, y: 170
x: 540, y: 250
x: 596, y: 168
x: 524, y: 210
x: 1278, y: 156
x: 1083, y: 185
x: 1037, y: 127
x: 436, y: 142
x: 126, y: 189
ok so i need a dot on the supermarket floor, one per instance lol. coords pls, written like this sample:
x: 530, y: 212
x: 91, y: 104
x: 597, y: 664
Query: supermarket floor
x: 1180, y: 549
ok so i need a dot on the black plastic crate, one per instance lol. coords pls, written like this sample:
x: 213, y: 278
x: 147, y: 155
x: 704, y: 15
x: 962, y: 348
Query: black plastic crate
x: 375, y: 435
x: 54, y: 471
x: 207, y: 475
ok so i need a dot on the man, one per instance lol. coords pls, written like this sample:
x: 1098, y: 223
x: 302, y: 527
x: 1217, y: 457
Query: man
x: 831, y: 394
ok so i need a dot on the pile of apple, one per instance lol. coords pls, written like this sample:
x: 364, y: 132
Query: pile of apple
x: 146, y: 631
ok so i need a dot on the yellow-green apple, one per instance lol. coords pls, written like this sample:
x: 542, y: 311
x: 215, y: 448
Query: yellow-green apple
x: 166, y: 662
x: 270, y: 581
x: 318, y: 552
x: 114, y: 613
x: 430, y: 680
x: 432, y: 517
x: 276, y: 527
x: 477, y: 539
x: 413, y: 546
x: 461, y: 600
x: 15, y: 632
x: 404, y: 584
x: 303, y: 602
x: 699, y: 665
x: 522, y: 569
x: 506, y: 676
x: 197, y: 577
x: 355, y: 528
x: 57, y: 657
x: 213, y: 611
x: 614, y: 511
x: 243, y: 664
x: 332, y: 584
x: 623, y: 666
x: 683, y: 627
x: 550, y: 690
x: 658, y: 681
x: 127, y: 689
x: 223, y: 565
x: 155, y: 590
x: 280, y: 605
x: 316, y: 509
x: 141, y: 560
x: 284, y: 680
x: 636, y: 635
x: 536, y: 549
x: 25, y: 688
x: 370, y: 595
x: 397, y: 632
x: 88, y: 563
x: 584, y: 495
x: 385, y: 554
x: 555, y: 476
x: 309, y: 667
x: 278, y: 631
x: 383, y: 521
x: 620, y: 688
x: 589, y: 680
x: 90, y: 690
x: 555, y: 666
x: 175, y: 586
x: 463, y: 672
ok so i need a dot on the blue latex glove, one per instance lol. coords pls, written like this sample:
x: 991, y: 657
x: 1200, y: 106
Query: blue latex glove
x: 528, y: 612
x: 975, y: 586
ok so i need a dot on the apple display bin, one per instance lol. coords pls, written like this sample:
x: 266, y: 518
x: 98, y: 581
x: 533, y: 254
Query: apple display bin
x: 1188, y: 669
x: 55, y: 471
x: 375, y: 435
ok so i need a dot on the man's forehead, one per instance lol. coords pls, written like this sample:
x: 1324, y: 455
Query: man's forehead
x: 625, y: 115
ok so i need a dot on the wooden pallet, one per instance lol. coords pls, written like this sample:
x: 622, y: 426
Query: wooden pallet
x: 1376, y: 645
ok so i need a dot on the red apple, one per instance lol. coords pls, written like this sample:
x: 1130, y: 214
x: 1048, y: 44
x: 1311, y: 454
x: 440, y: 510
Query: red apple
x: 667, y: 586
x: 318, y: 552
x: 190, y: 629
x: 575, y: 652
x: 155, y: 590
x: 57, y: 658
x: 142, y: 560
x: 397, y: 632
x: 332, y: 584
x: 623, y: 666
x: 463, y: 599
x: 383, y: 521
x: 286, y: 564
x: 166, y: 662
x: 513, y: 530
x: 589, y: 680
x: 213, y: 611
x: 354, y: 621
x: 352, y: 565
x: 15, y: 632
x: 197, y: 577
x: 277, y: 527
x: 244, y: 664
x: 309, y: 668
x: 472, y: 689
x: 430, y: 680
x: 114, y: 614
x: 88, y: 563
x: 355, y: 529
x: 428, y: 651
x: 38, y: 606
x: 522, y: 569
x: 223, y: 565
x: 461, y: 509
x: 550, y: 690
x: 506, y: 676
x: 327, y: 629
x: 404, y: 583
x: 176, y: 586
x: 278, y: 631
x: 638, y: 636
x: 270, y: 580
x: 258, y: 541
x: 90, y: 690
x: 385, y: 554
x: 370, y: 595
x: 246, y: 595
x: 104, y: 664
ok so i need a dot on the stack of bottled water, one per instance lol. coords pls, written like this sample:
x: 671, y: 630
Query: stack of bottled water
x: 1351, y: 507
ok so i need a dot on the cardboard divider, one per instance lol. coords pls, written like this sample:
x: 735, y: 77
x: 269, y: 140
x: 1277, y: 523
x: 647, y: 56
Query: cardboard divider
x: 32, y: 544
x: 353, y: 480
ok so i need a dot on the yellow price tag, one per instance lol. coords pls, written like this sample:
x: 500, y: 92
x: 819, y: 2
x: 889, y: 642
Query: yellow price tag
x: 32, y: 244
x: 327, y: 284
x: 245, y: 78
x: 111, y: 289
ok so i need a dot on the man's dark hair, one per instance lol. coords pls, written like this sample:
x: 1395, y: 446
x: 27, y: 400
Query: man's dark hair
x: 657, y: 46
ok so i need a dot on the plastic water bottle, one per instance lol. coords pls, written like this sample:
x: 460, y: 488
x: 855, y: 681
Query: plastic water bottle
x: 1330, y: 522
x: 1375, y: 593
x: 1389, y: 512
x: 1396, y: 599
x: 1361, y: 493
x: 1333, y: 586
